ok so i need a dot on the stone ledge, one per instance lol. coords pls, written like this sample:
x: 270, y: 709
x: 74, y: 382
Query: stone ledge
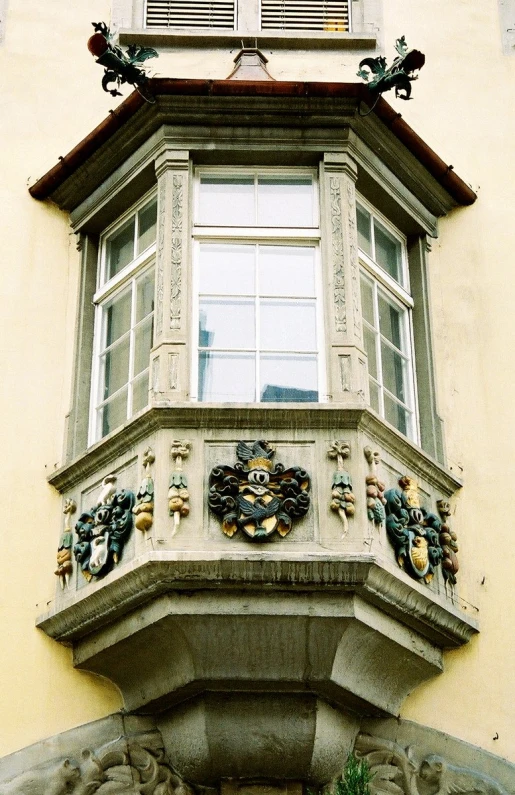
x: 262, y: 39
x: 257, y: 417
x: 150, y: 576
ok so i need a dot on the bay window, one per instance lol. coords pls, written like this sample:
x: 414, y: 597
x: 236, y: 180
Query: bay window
x: 124, y: 303
x: 257, y: 278
x: 386, y: 306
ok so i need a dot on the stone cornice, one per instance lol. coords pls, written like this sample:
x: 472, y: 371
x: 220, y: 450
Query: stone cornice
x: 158, y: 573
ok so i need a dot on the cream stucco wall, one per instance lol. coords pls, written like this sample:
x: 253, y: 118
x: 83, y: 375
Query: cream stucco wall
x: 463, y: 107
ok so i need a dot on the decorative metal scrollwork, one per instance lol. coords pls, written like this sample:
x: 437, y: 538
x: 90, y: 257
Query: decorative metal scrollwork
x: 399, y: 75
x: 119, y: 66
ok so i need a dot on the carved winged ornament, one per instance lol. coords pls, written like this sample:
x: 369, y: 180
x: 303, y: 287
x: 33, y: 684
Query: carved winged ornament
x: 257, y: 497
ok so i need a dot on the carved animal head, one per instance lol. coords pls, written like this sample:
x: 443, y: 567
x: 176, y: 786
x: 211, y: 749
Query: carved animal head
x: 431, y: 769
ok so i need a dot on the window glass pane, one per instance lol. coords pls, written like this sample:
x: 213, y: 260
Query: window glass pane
x: 147, y: 226
x: 370, y: 347
x: 117, y: 318
x: 120, y: 249
x: 288, y: 378
x: 367, y: 301
x: 363, y: 224
x: 142, y: 346
x: 226, y: 269
x: 388, y: 252
x: 287, y: 270
x: 390, y: 321
x: 140, y: 393
x: 228, y: 201
x: 285, y: 201
x: 397, y: 415
x: 226, y: 323
x: 144, y: 295
x: 113, y: 414
x: 394, y: 372
x: 227, y: 377
x: 115, y: 368
x: 374, y: 395
x: 288, y: 325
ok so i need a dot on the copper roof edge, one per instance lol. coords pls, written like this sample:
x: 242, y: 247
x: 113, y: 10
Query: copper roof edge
x: 442, y: 172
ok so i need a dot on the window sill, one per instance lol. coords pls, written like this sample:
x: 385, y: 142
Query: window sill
x: 263, y: 39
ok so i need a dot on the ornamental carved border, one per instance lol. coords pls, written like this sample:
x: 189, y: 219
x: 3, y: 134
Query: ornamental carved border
x: 176, y: 251
x: 340, y: 313
x: 134, y: 766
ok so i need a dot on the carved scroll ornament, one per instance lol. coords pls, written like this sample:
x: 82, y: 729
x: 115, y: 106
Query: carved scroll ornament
x: 104, y: 530
x: 123, y: 767
x: 257, y: 497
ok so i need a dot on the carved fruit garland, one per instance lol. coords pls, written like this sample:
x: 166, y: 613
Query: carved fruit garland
x: 144, y: 508
x: 448, y: 540
x: 64, y: 551
x: 375, y: 488
x: 178, y: 494
x: 343, y: 498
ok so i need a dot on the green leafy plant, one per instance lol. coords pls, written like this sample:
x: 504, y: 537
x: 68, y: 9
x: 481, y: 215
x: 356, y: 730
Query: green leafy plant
x: 355, y: 778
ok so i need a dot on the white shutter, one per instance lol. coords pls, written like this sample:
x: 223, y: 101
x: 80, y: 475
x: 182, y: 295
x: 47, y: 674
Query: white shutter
x: 329, y: 15
x: 190, y: 14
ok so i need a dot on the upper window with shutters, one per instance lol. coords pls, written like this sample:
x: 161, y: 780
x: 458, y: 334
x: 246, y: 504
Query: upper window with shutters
x: 329, y: 20
x: 321, y: 15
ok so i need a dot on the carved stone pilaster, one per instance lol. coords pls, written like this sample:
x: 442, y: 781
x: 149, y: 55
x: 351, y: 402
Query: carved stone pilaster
x: 348, y: 361
x: 169, y: 361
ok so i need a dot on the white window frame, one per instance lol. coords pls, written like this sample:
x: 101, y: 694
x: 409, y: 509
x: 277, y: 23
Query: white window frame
x: 105, y: 291
x: 401, y: 296
x: 299, y: 236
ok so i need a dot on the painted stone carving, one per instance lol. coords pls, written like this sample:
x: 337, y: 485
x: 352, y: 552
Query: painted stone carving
x: 342, y: 497
x: 134, y: 766
x: 413, y: 531
x: 178, y: 494
x: 397, y: 771
x: 257, y: 497
x: 448, y: 541
x: 375, y: 488
x: 144, y: 508
x: 104, y: 530
x: 64, y: 551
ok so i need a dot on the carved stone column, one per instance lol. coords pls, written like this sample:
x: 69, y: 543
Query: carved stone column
x: 169, y: 377
x: 347, y: 364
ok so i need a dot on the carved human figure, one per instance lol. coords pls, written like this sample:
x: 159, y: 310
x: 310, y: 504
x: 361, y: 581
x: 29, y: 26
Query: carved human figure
x: 375, y: 488
x: 442, y: 778
x: 64, y: 551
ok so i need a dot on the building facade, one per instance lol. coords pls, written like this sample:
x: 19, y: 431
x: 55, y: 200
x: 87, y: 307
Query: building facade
x: 257, y: 375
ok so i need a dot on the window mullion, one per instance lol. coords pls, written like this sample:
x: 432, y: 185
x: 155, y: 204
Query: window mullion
x: 377, y: 340
x: 132, y: 343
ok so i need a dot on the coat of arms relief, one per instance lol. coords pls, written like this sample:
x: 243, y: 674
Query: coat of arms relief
x: 257, y: 496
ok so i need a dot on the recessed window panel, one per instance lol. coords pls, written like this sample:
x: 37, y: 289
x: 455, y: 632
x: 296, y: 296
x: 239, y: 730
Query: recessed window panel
x: 227, y: 201
x: 390, y: 321
x: 288, y: 378
x: 145, y: 296
x: 287, y: 270
x: 120, y: 249
x: 226, y: 269
x: 113, y: 414
x: 226, y: 323
x: 285, y: 201
x: 147, y: 222
x: 364, y: 234
x: 140, y: 392
x: 394, y: 372
x: 388, y: 252
x: 227, y: 377
x: 288, y: 325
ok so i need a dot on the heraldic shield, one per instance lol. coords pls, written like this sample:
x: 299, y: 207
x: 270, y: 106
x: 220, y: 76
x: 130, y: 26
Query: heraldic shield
x: 257, y: 497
